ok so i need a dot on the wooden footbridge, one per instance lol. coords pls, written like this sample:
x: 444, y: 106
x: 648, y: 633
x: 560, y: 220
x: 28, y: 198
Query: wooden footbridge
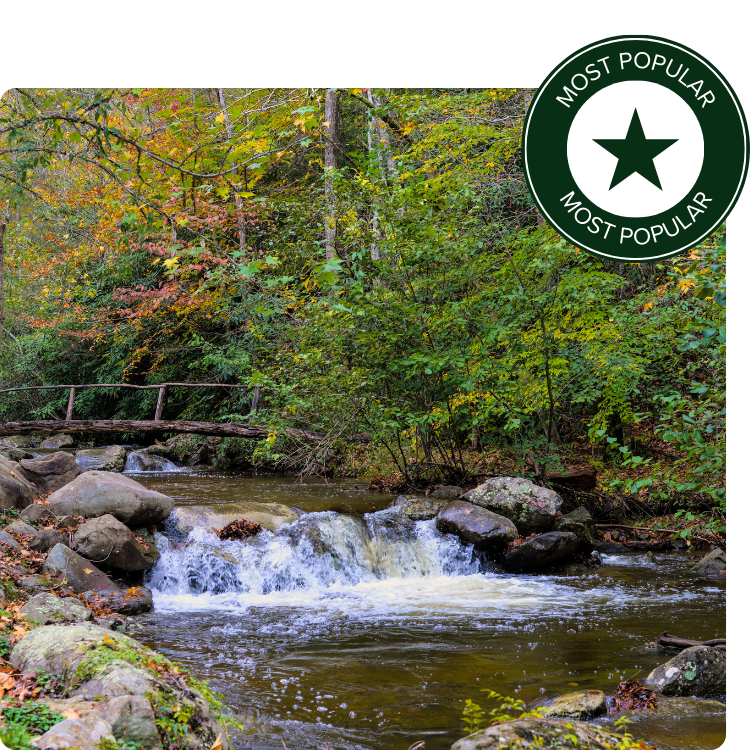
x: 157, y: 424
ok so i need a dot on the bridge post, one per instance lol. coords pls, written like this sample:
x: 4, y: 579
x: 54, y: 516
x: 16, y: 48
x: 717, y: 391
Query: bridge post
x: 160, y: 403
x: 71, y: 399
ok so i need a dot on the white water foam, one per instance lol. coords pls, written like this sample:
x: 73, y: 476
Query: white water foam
x: 381, y: 567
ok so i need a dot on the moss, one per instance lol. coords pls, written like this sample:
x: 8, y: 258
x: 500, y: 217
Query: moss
x: 176, y: 710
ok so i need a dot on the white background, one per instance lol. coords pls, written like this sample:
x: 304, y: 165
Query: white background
x: 386, y: 43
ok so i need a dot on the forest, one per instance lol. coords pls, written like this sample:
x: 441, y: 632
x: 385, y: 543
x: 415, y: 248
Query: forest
x: 370, y: 264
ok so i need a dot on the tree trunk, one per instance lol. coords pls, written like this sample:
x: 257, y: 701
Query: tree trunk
x: 2, y: 278
x: 241, y: 229
x: 332, y: 148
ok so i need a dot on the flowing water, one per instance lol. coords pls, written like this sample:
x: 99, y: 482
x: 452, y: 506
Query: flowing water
x: 357, y: 628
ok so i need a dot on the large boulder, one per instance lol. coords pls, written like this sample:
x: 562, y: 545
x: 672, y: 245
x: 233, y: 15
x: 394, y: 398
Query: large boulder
x: 533, y: 734
x: 96, y: 663
x: 40, y: 540
x: 90, y: 733
x: 698, y: 671
x: 447, y: 492
x: 134, y: 601
x: 580, y: 523
x: 713, y: 564
x: 540, y: 551
x: 131, y: 717
x: 583, y: 704
x: 216, y: 517
x: 109, y: 458
x: 81, y: 574
x: 419, y: 507
x: 58, y: 443
x: 48, y: 608
x: 95, y: 493
x: 532, y: 509
x: 15, y: 490
x: 475, y: 525
x: 49, y: 473
x: 105, y: 540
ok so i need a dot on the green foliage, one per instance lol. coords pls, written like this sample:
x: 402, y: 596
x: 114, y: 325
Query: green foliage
x: 36, y: 717
x: 15, y: 737
x: 448, y: 316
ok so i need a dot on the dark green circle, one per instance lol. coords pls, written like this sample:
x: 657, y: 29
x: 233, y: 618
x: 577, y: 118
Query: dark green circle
x: 545, y: 137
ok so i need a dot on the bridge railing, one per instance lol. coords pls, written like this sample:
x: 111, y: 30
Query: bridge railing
x: 162, y: 387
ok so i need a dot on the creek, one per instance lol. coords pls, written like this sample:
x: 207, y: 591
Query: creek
x: 372, y: 631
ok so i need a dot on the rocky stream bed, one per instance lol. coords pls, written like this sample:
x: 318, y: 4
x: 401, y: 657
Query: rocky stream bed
x: 343, y: 619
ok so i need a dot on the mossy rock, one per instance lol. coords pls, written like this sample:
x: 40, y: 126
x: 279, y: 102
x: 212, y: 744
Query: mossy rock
x: 97, y: 663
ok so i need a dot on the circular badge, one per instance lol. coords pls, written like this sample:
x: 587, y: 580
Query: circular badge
x: 635, y: 148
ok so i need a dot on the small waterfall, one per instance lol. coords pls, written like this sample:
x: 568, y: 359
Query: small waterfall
x: 318, y: 553
x: 140, y: 461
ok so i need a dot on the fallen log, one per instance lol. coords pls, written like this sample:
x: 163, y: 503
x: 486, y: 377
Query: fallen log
x: 673, y: 641
x: 216, y: 429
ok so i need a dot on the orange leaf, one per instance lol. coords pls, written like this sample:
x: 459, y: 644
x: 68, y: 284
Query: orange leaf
x: 217, y: 745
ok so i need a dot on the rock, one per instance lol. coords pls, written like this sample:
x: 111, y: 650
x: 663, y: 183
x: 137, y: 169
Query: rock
x: 540, y: 551
x: 135, y: 601
x: 611, y: 548
x: 268, y: 515
x: 95, y: 493
x: 531, y: 508
x: 179, y: 447
x: 46, y: 608
x: 14, y: 454
x: 20, y: 527
x: 159, y: 450
x: 81, y: 574
x: 20, y: 441
x: 580, y: 523
x: 447, y: 492
x: 109, y: 458
x: 109, y: 541
x: 42, y: 540
x: 476, y: 525
x: 582, y: 704
x: 58, y: 443
x: 15, y: 490
x: 7, y: 539
x: 713, y: 564
x: 671, y: 708
x: 51, y: 472
x: 82, y: 734
x: 419, y: 508
x: 533, y: 734
x: 143, y: 461
x: 34, y: 513
x: 130, y: 716
x: 698, y: 670
x: 132, y: 720
x: 575, y: 478
x: 34, y: 584
x: 115, y: 669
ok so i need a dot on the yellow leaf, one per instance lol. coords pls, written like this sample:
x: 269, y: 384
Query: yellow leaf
x: 648, y: 306
x: 170, y: 263
x: 217, y: 745
x: 220, y: 117
x: 87, y: 571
